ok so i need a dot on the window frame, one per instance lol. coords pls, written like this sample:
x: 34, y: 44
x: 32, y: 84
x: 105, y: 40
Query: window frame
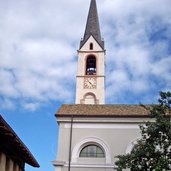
x: 89, y: 152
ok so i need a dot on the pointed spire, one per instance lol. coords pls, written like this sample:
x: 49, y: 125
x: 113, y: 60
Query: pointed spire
x: 92, y: 26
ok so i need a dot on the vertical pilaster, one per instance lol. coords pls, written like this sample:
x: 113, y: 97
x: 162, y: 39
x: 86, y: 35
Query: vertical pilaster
x: 2, y: 161
x: 21, y: 169
x: 10, y: 165
x: 16, y: 167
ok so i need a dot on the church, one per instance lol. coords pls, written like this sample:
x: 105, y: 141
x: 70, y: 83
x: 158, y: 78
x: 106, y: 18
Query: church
x: 92, y: 133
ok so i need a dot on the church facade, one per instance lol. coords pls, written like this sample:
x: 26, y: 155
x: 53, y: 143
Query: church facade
x: 92, y: 133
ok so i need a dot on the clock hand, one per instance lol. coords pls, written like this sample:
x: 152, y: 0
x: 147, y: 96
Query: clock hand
x: 90, y: 82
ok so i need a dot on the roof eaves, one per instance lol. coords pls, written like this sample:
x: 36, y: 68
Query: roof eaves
x: 29, y: 157
x: 102, y: 115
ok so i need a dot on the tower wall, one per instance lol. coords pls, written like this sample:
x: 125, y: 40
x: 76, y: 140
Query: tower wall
x: 99, y: 89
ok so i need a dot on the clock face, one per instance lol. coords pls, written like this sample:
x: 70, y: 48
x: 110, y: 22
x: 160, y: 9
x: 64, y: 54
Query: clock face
x: 90, y: 82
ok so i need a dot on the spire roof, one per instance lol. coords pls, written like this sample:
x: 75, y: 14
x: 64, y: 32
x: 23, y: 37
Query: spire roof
x: 92, y: 26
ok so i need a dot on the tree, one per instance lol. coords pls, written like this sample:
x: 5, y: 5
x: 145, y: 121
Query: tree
x: 153, y: 151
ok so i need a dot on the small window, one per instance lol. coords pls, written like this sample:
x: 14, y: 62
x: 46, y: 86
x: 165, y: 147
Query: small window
x: 93, y: 151
x: 91, y: 46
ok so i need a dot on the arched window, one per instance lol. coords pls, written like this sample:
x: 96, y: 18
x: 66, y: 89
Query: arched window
x: 91, y: 46
x: 131, y: 146
x: 93, y: 151
x: 135, y: 147
x: 89, y: 98
x: 91, y: 65
x: 77, y: 149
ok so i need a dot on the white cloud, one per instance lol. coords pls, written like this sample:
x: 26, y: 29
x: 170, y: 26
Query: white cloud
x: 162, y: 69
x: 40, y: 38
x: 6, y: 103
x: 7, y: 87
x: 31, y: 106
x: 138, y: 45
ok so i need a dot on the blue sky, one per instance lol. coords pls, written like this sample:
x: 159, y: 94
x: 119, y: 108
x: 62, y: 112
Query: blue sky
x: 38, y: 60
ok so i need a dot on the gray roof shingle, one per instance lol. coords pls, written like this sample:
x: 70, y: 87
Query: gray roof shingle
x: 92, y: 26
x: 82, y: 110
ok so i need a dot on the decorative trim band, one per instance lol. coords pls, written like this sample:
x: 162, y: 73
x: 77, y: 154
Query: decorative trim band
x: 102, y: 126
x: 91, y: 166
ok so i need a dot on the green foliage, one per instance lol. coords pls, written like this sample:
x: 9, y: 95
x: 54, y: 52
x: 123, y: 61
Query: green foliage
x: 153, y: 150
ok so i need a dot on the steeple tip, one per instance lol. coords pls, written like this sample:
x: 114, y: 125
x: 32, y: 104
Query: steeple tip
x: 92, y: 25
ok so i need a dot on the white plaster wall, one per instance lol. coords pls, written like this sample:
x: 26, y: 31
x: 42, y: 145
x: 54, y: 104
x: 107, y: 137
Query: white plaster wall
x: 117, y: 137
x: 84, y: 52
x: 81, y: 91
x: 86, y: 46
x: 63, y: 143
x: 100, y: 73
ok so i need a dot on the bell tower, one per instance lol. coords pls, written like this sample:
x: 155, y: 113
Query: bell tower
x: 90, y: 81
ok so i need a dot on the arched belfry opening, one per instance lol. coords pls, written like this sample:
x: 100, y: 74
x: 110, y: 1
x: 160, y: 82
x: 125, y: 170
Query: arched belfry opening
x: 91, y: 65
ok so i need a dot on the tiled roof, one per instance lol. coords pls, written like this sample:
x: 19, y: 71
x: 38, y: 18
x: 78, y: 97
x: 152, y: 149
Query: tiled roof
x: 92, y: 26
x: 83, y: 110
x: 12, y: 146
